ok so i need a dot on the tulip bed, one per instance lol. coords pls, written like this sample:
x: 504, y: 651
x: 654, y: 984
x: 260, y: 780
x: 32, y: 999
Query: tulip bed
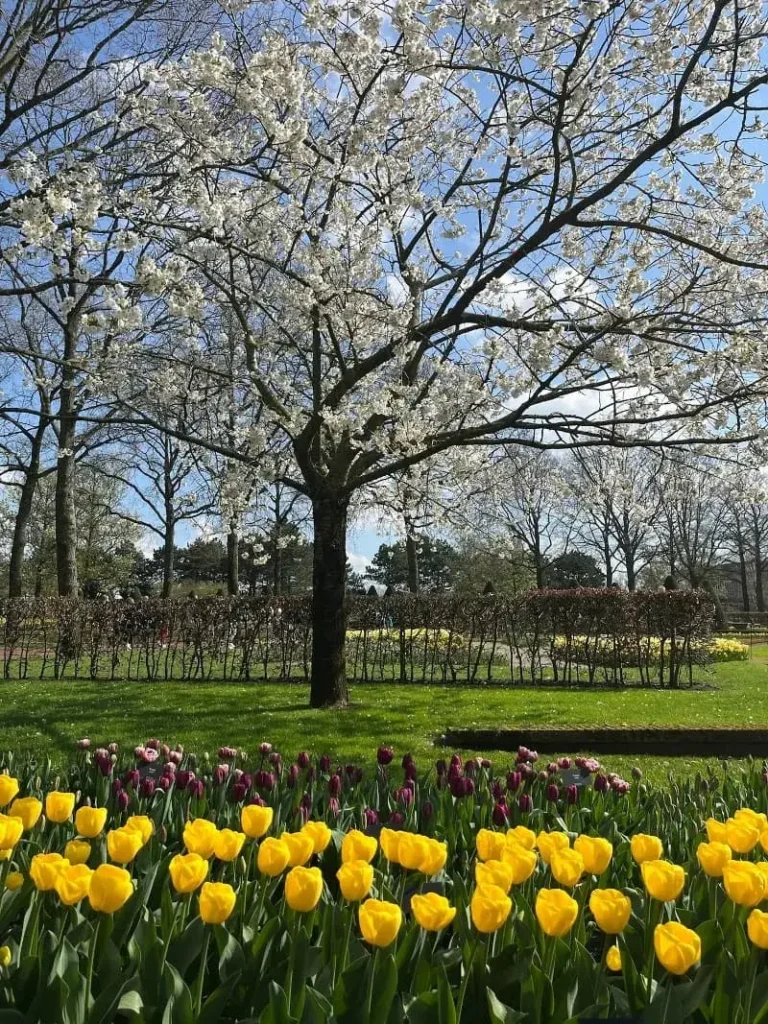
x: 155, y: 886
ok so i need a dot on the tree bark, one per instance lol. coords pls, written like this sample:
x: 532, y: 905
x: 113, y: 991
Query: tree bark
x: 328, y: 684
x: 233, y: 563
x: 66, y: 517
x: 23, y: 514
x: 168, y: 553
x: 412, y: 559
x: 759, y: 589
x: 540, y: 575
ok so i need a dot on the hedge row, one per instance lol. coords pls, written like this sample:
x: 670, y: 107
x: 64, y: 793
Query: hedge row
x: 547, y: 635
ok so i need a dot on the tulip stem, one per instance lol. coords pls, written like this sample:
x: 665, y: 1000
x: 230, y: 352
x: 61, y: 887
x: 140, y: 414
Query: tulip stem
x: 92, y: 959
x: 372, y: 983
x: 198, y: 1000
x: 465, y: 979
x: 753, y: 973
x: 667, y: 997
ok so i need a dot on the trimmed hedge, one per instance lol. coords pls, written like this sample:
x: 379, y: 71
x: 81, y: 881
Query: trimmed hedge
x: 562, y: 636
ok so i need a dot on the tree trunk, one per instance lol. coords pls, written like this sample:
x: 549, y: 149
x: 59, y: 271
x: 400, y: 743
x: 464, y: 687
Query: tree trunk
x: 23, y: 514
x: 759, y: 590
x: 607, y: 559
x: 629, y: 562
x: 66, y: 518
x: 539, y: 563
x: 168, y: 553
x: 744, y: 578
x: 412, y: 558
x: 233, y: 563
x: 329, y: 603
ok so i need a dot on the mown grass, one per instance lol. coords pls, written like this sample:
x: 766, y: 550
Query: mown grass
x: 47, y: 717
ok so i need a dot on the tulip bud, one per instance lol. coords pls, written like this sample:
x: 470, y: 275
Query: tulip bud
x: 131, y: 777
x: 146, y: 787
x: 370, y: 817
x: 525, y: 803
x: 384, y: 755
x: 184, y: 778
x: 238, y: 792
x: 277, y: 760
x: 325, y: 764
x: 196, y: 787
x: 410, y: 771
x: 552, y: 793
x: 164, y: 750
x: 306, y: 801
x: 500, y: 814
x: 303, y: 760
x: 553, y: 768
x: 334, y: 785
x: 152, y: 744
x: 220, y: 773
x: 469, y: 787
x: 113, y: 748
x: 564, y: 763
x: 122, y: 800
x: 497, y: 792
x: 265, y: 748
x: 542, y: 776
x: 396, y: 818
x: 427, y: 810
x: 470, y: 768
x: 572, y: 794
x: 175, y: 757
x: 601, y: 783
x: 165, y: 782
x: 441, y: 767
x: 514, y: 781
x: 637, y: 773
x: 293, y: 775
x: 116, y: 786
x: 349, y: 769
x: 456, y: 760
x: 256, y: 800
x: 333, y: 806
x: 404, y: 795
x: 227, y: 752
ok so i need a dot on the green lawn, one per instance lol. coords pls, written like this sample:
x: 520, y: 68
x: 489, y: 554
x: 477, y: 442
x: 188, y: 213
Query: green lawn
x: 49, y: 716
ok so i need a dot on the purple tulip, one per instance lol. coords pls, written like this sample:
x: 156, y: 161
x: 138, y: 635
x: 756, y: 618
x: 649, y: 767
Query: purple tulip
x: 385, y: 755
x: 265, y: 748
x: 227, y: 753
x: 146, y: 787
x: 601, y: 783
x: 306, y: 802
x: 456, y: 761
x: 247, y: 780
x: 572, y: 794
x: 256, y: 799
x: 131, y: 777
x: 334, y: 785
x: 497, y: 790
x: 165, y: 782
x: 117, y: 786
x: 220, y: 773
x: 303, y: 760
x: 196, y: 787
x: 175, y: 757
x: 553, y: 793
x: 370, y: 817
x: 441, y: 767
x: 349, y: 770
x: 293, y: 775
x: 485, y: 763
x: 333, y: 806
x: 456, y: 784
x: 104, y: 762
x: 122, y: 799
x: 396, y: 819
x: 514, y: 781
x: 500, y: 815
x: 404, y: 795
x: 553, y: 768
x: 325, y: 764
x: 525, y: 803
x: 564, y: 763
x: 470, y: 767
x: 184, y: 778
x: 469, y: 787
x: 264, y: 780
x: 427, y: 810
x: 238, y: 792
x: 276, y: 760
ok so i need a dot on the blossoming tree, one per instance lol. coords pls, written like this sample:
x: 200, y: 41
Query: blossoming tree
x: 441, y: 224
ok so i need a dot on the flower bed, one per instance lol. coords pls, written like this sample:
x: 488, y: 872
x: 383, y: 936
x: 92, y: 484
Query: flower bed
x: 164, y: 887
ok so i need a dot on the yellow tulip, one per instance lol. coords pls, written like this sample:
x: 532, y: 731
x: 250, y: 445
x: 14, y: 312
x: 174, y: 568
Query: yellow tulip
x: 319, y: 833
x: 390, y: 844
x: 713, y: 857
x: 756, y: 819
x: 355, y: 879
x: 757, y: 929
x: 228, y: 844
x: 610, y: 909
x: 521, y: 860
x: 716, y: 832
x: 123, y: 844
x: 256, y: 821
x: 200, y: 837
x: 59, y: 807
x: 188, y: 871
x: 412, y: 850
x: 110, y: 888
x: 14, y: 880
x: 303, y: 888
x: 77, y: 852
x: 490, y: 907
x: 5, y: 956
x: 28, y: 808
x: 556, y: 911
x: 143, y: 825
x: 9, y: 787
x: 548, y: 843
x: 494, y: 872
x: 645, y: 847
x: 11, y: 830
x: 432, y: 912
x: 522, y: 835
x: 44, y: 869
x: 764, y: 840
x: 595, y: 852
x: 744, y: 882
x: 273, y: 857
x: 216, y: 902
x: 490, y: 845
x: 73, y: 883
x: 663, y: 881
x: 741, y: 836
x: 436, y: 856
x: 613, y: 959
x: 567, y: 867
x: 380, y: 922
x: 358, y: 846
x: 677, y: 948
x: 90, y: 821
x: 300, y: 846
